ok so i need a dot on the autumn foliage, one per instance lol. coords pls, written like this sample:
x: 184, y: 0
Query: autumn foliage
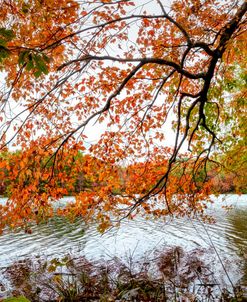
x: 134, y: 69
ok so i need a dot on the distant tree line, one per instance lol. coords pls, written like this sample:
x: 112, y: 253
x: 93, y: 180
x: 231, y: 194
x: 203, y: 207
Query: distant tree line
x: 219, y: 180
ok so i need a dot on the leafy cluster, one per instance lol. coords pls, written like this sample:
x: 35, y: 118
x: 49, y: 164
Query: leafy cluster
x: 6, y: 35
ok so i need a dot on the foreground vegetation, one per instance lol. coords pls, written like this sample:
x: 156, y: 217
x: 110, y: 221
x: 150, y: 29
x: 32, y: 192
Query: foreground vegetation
x: 172, y: 275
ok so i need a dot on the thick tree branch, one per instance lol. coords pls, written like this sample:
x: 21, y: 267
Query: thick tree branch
x: 143, y: 61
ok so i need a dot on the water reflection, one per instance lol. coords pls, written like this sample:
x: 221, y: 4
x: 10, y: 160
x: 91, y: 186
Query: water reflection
x: 60, y: 227
x: 238, y: 236
x: 60, y: 236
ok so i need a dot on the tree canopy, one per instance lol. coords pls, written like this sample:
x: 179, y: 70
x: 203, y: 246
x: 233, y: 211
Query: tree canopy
x: 133, y: 69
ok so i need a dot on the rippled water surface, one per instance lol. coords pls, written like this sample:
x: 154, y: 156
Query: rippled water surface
x: 228, y: 237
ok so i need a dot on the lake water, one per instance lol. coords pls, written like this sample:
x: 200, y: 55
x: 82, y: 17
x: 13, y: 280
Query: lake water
x: 227, y: 237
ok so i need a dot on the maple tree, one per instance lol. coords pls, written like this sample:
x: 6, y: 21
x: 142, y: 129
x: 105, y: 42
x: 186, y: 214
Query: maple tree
x: 133, y: 66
